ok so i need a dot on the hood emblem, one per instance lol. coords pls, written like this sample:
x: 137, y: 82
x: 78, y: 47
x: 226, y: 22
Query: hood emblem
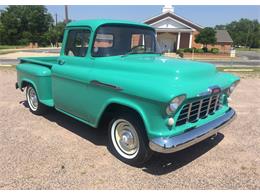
x: 211, y: 90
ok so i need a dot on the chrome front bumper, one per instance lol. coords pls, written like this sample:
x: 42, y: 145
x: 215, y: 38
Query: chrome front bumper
x: 182, y: 141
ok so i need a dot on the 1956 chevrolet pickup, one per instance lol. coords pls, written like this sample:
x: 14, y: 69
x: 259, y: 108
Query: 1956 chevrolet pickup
x: 112, y: 73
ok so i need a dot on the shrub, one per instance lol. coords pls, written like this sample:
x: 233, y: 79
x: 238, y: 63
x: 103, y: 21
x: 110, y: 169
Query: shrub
x: 205, y: 49
x: 187, y: 50
x: 23, y: 41
x: 199, y: 51
x: 214, y: 50
x: 179, y: 51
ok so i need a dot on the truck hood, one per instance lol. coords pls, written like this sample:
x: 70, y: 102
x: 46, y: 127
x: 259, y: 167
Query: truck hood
x: 166, y: 66
x: 161, y: 77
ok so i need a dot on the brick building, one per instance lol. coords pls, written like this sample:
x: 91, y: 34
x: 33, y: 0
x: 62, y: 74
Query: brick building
x: 175, y: 32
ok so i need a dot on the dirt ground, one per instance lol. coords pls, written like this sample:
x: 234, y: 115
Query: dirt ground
x: 58, y: 152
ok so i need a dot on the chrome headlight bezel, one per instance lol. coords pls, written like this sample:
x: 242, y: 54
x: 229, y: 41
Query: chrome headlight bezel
x: 232, y: 87
x: 174, y: 104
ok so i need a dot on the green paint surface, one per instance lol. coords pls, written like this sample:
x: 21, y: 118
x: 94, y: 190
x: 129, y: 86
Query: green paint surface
x: 148, y: 82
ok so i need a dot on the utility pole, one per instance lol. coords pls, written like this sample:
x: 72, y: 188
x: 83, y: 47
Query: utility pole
x: 247, y: 35
x: 66, y: 14
x: 56, y: 19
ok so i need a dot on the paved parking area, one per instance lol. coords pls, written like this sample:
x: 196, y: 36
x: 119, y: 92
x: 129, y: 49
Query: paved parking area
x: 58, y: 152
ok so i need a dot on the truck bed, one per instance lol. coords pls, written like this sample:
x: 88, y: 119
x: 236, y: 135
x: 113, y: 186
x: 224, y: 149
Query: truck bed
x: 45, y: 61
x: 37, y: 71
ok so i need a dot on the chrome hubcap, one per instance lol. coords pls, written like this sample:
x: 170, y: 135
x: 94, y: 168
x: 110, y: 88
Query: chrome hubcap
x: 32, y: 98
x: 127, y: 140
x: 126, y: 137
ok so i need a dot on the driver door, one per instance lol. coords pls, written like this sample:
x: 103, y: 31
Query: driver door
x: 70, y: 78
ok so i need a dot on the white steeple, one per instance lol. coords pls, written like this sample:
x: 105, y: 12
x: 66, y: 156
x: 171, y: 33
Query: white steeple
x: 167, y: 8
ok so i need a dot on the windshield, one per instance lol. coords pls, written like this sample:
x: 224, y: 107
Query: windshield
x: 123, y: 40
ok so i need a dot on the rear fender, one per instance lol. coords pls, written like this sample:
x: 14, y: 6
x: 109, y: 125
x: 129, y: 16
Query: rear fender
x: 39, y: 77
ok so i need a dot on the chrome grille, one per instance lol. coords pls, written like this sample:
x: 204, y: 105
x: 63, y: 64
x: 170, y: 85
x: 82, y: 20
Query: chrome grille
x: 198, y: 109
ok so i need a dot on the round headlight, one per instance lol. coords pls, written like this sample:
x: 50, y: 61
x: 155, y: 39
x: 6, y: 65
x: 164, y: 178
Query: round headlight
x: 174, y: 104
x: 232, y: 87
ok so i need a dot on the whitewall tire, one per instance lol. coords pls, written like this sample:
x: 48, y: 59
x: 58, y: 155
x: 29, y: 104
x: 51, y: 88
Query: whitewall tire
x: 128, y: 140
x: 35, y: 106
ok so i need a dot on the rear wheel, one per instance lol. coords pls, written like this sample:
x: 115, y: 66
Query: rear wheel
x: 128, y: 140
x: 35, y: 106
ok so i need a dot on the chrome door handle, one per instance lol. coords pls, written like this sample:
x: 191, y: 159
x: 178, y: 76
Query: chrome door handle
x: 100, y: 84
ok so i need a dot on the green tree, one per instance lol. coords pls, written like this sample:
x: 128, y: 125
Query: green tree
x: 206, y: 36
x: 2, y: 34
x: 244, y: 32
x: 220, y: 27
x: 55, y: 34
x: 25, y: 23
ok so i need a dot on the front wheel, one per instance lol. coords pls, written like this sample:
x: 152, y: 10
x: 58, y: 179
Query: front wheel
x: 128, y: 140
x: 35, y: 106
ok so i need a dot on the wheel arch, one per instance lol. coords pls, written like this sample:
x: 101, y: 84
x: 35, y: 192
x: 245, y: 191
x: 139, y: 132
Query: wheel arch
x: 118, y: 105
x: 26, y: 82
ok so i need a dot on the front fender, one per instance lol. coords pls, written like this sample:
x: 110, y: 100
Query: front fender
x: 150, y: 112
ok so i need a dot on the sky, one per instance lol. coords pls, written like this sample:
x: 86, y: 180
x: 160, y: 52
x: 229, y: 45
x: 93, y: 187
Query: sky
x: 202, y: 15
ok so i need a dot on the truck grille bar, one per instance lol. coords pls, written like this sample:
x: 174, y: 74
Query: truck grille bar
x: 198, y: 109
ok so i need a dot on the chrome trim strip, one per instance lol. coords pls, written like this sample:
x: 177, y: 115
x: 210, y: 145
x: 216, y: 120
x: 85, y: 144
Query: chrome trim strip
x: 210, y: 99
x: 204, y: 106
x: 182, y: 141
x: 198, y: 115
x: 188, y: 117
x: 100, y: 84
x: 216, y: 103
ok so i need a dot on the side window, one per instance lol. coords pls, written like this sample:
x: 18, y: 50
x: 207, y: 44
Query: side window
x: 77, y: 43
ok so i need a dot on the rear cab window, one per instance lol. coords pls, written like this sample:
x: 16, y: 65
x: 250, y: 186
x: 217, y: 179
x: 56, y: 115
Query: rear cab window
x: 77, y: 42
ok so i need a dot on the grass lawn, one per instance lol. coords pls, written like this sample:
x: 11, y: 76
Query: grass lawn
x: 11, y: 46
x: 243, y: 72
x: 236, y: 69
x: 5, y: 49
x: 6, y: 52
x: 247, y: 49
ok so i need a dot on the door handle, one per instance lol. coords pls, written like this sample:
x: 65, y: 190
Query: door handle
x: 61, y: 62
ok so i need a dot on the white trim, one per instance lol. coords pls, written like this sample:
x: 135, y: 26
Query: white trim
x: 172, y: 30
x: 189, y: 21
x: 143, y: 40
x: 178, y: 40
x: 153, y: 17
x: 190, y: 41
x: 172, y: 18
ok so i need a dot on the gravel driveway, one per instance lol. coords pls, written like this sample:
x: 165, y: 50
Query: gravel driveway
x: 58, y: 152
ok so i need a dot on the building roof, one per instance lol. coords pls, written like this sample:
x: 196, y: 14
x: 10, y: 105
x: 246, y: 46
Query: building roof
x: 174, y: 16
x: 94, y: 24
x: 223, y: 36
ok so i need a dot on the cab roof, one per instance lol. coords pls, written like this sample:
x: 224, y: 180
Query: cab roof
x: 94, y: 24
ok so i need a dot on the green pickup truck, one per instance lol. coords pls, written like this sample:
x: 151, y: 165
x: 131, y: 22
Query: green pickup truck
x: 112, y: 73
